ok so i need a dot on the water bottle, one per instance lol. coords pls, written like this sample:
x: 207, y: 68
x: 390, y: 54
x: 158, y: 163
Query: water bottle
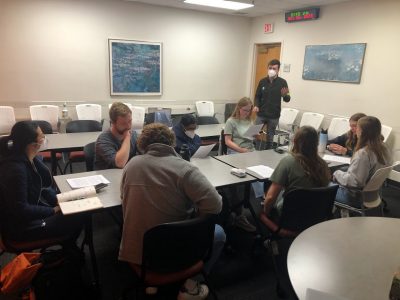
x: 291, y: 137
x: 323, y: 140
x: 64, y: 113
x: 185, y: 152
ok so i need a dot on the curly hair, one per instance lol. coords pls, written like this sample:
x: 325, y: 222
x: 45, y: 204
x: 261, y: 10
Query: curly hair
x: 155, y: 133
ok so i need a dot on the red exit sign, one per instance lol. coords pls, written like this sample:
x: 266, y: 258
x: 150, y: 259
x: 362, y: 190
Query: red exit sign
x: 268, y: 27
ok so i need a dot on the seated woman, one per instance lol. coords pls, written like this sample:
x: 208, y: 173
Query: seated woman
x: 235, y: 128
x: 344, y: 144
x: 370, y: 155
x: 302, y: 168
x: 185, y: 134
x: 29, y: 212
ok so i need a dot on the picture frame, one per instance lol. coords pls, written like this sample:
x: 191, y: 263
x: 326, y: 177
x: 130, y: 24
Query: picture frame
x: 339, y: 62
x: 135, y: 67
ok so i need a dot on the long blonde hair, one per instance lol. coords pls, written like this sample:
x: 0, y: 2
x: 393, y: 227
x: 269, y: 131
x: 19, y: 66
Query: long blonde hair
x: 351, y: 140
x: 371, y: 138
x: 242, y: 103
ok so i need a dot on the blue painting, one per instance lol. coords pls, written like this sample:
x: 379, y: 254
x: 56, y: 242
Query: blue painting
x: 342, y: 63
x: 135, y: 67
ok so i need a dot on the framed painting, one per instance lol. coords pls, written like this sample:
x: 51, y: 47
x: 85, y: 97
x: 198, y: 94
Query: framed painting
x: 341, y: 63
x: 135, y: 67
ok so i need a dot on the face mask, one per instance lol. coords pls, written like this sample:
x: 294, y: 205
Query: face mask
x: 271, y: 73
x: 43, y: 146
x: 190, y: 133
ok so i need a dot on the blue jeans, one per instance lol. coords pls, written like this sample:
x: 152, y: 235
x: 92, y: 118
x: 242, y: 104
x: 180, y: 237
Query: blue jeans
x: 218, y: 245
x: 271, y: 126
x: 344, y: 196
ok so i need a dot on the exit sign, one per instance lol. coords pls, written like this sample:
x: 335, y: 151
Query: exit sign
x: 268, y: 28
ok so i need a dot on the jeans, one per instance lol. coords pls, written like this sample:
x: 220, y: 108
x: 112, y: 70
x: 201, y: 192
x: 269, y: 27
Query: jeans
x: 218, y: 245
x: 271, y: 126
x: 344, y: 196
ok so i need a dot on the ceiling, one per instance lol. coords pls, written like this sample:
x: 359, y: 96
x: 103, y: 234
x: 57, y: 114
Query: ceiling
x: 261, y: 7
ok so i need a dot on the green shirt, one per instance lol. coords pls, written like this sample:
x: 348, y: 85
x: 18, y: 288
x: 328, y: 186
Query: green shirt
x: 290, y: 174
x: 237, y: 128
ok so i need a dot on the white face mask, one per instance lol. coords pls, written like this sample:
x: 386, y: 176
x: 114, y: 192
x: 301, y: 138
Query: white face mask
x: 190, y: 133
x: 43, y: 146
x: 271, y: 73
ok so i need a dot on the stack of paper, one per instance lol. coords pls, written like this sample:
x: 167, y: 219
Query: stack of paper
x: 261, y: 170
x: 337, y: 158
x: 76, y: 183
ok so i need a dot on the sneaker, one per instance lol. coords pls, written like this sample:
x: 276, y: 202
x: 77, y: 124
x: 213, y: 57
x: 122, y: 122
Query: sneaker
x: 151, y: 290
x: 193, y: 290
x: 344, y: 213
x: 242, y: 222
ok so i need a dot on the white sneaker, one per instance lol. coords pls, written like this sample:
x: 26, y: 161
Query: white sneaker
x: 242, y: 222
x: 193, y: 290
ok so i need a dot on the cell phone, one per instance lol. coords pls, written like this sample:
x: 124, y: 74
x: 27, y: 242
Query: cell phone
x: 99, y: 186
x: 280, y: 151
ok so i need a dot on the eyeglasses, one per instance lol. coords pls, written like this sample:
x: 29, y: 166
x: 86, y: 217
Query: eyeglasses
x: 246, y: 110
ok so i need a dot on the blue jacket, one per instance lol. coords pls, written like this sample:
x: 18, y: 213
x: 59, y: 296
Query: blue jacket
x: 22, y: 184
x: 182, y: 138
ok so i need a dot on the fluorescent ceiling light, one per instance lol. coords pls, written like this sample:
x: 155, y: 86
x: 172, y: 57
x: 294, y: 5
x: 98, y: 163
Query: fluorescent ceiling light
x: 221, y: 4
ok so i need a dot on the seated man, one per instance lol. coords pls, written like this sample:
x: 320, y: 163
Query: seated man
x: 117, y: 145
x: 158, y: 187
x: 185, y: 134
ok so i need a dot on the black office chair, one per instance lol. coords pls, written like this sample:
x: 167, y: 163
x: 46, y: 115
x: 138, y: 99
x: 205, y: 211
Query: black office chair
x: 223, y: 150
x: 47, y: 129
x: 206, y: 120
x: 80, y: 126
x: 89, y: 151
x: 229, y: 108
x: 301, y: 209
x: 173, y: 252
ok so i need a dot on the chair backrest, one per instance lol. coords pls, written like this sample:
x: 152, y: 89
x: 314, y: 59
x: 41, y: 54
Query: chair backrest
x: 175, y: 246
x: 222, y: 150
x: 89, y: 112
x: 337, y: 127
x: 47, y: 113
x: 207, y: 120
x: 157, y: 115
x: 303, y: 208
x: 89, y: 151
x: 229, y: 108
x: 377, y: 180
x: 312, y: 119
x: 83, y: 126
x: 287, y: 118
x: 386, y: 130
x: 205, y: 108
x: 7, y: 119
x: 138, y: 114
x: 45, y: 126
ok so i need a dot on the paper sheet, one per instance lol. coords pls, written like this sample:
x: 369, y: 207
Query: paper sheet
x: 80, y: 182
x: 253, y: 130
x: 337, y: 158
x: 77, y: 206
x: 203, y: 151
x: 85, y: 192
x: 261, y: 170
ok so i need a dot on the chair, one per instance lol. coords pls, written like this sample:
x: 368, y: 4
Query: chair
x: 302, y: 208
x: 173, y: 252
x: 312, y: 119
x: 338, y: 127
x: 369, y: 195
x: 159, y: 115
x: 205, y: 108
x: 7, y: 119
x: 89, y: 112
x: 47, y: 113
x: 229, y: 108
x: 138, y: 114
x: 89, y: 151
x: 222, y: 150
x: 386, y: 130
x: 287, y: 118
x: 80, y: 126
x: 206, y: 120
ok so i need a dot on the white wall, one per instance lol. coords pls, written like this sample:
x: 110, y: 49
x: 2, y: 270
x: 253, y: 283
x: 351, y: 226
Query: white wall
x: 57, y: 50
x: 365, y: 21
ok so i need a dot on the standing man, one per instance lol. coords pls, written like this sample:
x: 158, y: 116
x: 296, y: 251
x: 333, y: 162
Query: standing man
x: 269, y: 92
x: 117, y: 145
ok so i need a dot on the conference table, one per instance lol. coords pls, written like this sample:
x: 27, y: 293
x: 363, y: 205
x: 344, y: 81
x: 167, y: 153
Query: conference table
x: 66, y: 142
x: 348, y: 258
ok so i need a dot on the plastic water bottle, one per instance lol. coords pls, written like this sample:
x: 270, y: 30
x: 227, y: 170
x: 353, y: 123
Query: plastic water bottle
x: 323, y: 140
x: 185, y: 152
x: 64, y: 112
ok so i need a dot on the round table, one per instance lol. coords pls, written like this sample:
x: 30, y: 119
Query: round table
x: 352, y: 258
